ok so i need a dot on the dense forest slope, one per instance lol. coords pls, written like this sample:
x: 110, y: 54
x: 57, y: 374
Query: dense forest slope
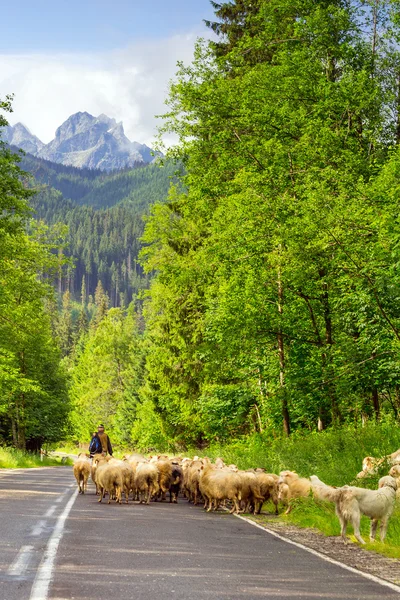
x: 104, y: 215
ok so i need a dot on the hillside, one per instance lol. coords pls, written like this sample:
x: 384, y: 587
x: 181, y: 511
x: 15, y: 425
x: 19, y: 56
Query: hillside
x: 104, y: 215
x: 140, y: 186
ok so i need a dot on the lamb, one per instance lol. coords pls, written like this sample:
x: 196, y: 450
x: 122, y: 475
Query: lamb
x: 82, y: 472
x: 109, y: 479
x: 352, y: 502
x: 146, y: 481
x: 217, y: 485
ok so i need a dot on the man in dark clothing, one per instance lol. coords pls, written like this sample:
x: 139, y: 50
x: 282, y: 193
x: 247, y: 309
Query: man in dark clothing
x: 104, y: 440
x: 95, y: 445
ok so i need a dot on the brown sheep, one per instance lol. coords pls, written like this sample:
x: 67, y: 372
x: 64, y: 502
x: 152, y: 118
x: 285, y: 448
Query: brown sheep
x: 192, y: 479
x: 250, y: 491
x: 176, y: 482
x: 82, y: 472
x: 268, y: 489
x: 164, y: 468
x: 146, y: 481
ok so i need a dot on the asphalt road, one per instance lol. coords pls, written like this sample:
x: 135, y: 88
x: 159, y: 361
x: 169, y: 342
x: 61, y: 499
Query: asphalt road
x: 56, y: 545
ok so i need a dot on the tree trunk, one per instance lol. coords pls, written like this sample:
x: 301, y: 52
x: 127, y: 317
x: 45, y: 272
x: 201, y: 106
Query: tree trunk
x: 375, y: 402
x: 281, y: 352
x: 398, y: 109
x: 327, y: 356
x: 14, y: 432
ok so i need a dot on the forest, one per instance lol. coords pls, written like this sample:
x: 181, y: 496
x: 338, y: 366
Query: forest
x: 267, y: 298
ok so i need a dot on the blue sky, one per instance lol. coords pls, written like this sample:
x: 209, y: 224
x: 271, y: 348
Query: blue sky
x: 115, y: 57
x: 94, y: 25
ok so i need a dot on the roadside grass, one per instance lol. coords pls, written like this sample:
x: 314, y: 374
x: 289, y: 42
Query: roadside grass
x: 335, y: 456
x: 10, y: 458
x: 67, y: 448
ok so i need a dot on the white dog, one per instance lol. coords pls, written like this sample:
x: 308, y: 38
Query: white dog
x: 352, y: 502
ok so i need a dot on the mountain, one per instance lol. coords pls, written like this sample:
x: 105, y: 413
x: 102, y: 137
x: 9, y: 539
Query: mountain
x: 84, y: 141
x: 21, y: 137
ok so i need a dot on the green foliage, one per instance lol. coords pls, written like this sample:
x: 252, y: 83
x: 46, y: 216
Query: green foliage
x: 275, y: 301
x: 33, y: 394
x: 105, y: 376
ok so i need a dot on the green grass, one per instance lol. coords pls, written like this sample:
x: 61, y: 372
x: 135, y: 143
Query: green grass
x: 68, y: 448
x: 10, y: 458
x: 336, y: 457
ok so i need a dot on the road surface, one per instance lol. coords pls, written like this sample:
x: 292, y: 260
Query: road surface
x: 59, y: 546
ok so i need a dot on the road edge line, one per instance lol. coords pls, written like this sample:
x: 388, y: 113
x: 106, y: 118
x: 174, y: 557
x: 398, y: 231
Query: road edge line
x: 369, y: 576
x: 40, y: 587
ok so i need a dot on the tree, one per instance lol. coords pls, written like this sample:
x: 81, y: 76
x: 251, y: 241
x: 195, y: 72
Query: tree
x: 34, y: 403
x: 270, y: 294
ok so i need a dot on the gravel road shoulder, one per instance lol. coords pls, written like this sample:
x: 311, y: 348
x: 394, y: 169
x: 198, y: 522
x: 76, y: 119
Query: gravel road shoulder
x: 333, y: 546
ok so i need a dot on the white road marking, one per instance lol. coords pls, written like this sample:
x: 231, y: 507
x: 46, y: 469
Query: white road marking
x: 40, y: 588
x: 378, y: 580
x: 61, y: 498
x: 39, y: 528
x: 21, y: 562
x: 50, y: 512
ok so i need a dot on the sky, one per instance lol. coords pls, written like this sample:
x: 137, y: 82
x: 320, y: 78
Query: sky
x: 114, y: 57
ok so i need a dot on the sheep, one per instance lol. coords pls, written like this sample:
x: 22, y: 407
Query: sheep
x: 250, y: 491
x: 297, y: 487
x: 217, y: 485
x: 128, y: 475
x: 109, y: 479
x: 93, y: 470
x: 175, y: 483
x: 164, y: 468
x: 192, y: 479
x: 268, y: 489
x: 146, y: 481
x: 82, y: 471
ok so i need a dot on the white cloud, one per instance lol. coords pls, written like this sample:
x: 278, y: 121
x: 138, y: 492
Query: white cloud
x: 129, y: 84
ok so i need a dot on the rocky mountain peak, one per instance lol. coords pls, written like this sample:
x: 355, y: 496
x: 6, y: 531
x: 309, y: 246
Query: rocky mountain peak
x: 84, y: 141
x: 20, y: 136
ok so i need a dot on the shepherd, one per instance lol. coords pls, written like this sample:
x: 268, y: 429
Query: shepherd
x: 106, y: 447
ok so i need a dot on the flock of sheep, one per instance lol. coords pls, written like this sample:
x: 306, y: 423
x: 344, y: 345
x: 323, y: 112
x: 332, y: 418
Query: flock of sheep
x: 246, y: 491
